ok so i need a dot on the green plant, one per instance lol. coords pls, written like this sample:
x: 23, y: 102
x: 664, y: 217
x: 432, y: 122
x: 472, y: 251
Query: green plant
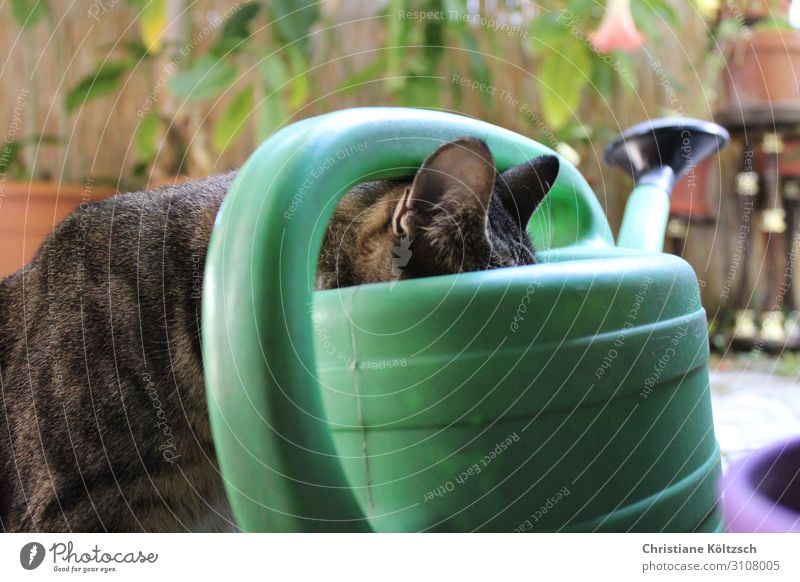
x: 407, y: 66
x: 789, y: 365
x: 420, y: 52
x: 27, y: 14
x: 734, y: 18
x: 11, y: 161
x: 570, y: 69
x: 190, y: 72
x: 253, y: 67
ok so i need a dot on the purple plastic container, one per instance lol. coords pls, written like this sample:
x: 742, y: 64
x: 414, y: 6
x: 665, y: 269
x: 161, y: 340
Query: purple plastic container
x: 761, y: 493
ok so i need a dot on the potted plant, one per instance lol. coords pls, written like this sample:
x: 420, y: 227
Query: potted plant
x: 762, y: 58
x: 32, y: 203
x: 209, y: 81
x: 750, y: 11
x: 585, y: 49
x: 192, y: 70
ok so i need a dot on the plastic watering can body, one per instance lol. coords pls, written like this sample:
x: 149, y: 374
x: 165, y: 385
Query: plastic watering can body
x: 571, y: 395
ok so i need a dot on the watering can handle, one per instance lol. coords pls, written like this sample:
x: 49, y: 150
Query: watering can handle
x: 272, y: 439
x: 657, y: 154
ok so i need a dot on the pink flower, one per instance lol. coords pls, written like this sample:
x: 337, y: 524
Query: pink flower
x: 617, y: 30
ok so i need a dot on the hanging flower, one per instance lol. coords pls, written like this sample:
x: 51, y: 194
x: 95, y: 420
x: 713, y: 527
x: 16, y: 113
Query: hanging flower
x: 617, y: 30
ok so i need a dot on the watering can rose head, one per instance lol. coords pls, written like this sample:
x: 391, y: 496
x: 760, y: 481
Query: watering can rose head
x: 457, y: 214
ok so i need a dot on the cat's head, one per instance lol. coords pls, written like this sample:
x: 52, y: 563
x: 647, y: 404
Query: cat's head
x: 457, y: 214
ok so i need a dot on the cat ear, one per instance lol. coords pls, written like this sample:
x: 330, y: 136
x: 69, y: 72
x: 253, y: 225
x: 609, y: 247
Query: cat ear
x: 522, y: 188
x: 457, y: 180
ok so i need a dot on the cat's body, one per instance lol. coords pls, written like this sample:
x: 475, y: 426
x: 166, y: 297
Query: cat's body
x: 104, y: 424
x: 104, y: 312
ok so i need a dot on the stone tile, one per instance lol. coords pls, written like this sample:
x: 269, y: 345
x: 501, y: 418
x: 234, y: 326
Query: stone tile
x: 753, y: 409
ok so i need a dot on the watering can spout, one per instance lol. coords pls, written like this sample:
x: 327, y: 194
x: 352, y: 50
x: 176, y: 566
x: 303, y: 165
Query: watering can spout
x: 657, y: 154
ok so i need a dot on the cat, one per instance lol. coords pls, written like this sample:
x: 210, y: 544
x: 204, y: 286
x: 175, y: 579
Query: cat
x: 104, y: 424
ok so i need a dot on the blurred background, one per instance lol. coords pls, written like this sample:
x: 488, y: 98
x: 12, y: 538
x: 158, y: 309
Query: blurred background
x: 98, y: 96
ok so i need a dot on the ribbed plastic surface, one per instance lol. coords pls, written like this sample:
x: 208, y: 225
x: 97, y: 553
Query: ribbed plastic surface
x: 594, y: 369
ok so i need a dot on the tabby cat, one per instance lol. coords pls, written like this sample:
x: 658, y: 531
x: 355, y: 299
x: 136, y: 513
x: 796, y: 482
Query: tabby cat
x: 104, y: 424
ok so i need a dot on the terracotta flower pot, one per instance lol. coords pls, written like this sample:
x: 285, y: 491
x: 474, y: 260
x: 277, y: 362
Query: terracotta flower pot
x: 754, y: 10
x: 689, y: 196
x: 763, y: 68
x: 29, y: 211
x: 761, y: 493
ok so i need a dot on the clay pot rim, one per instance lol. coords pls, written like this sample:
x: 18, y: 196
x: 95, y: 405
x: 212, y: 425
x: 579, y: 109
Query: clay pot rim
x: 48, y: 189
x: 768, y: 39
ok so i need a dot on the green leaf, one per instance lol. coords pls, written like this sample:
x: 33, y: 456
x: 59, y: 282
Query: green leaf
x: 603, y: 78
x: 292, y: 20
x: 147, y: 137
x: 659, y: 13
x: 236, y: 29
x: 422, y: 92
x: 9, y: 153
x: 369, y: 74
x: 105, y: 80
x: 271, y: 116
x: 562, y: 78
x: 28, y: 13
x: 233, y: 119
x: 546, y: 33
x: 206, y: 77
x: 152, y: 22
x: 41, y: 139
x: 433, y: 43
x: 477, y: 61
x: 395, y: 52
x: 136, y: 50
x: 775, y: 23
x: 626, y: 72
x: 274, y: 71
x: 301, y: 85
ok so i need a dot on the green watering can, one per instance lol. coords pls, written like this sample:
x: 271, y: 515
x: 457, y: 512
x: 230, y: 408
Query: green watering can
x: 571, y: 395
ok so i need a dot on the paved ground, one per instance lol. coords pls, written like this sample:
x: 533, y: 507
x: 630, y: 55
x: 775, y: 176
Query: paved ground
x: 756, y: 401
